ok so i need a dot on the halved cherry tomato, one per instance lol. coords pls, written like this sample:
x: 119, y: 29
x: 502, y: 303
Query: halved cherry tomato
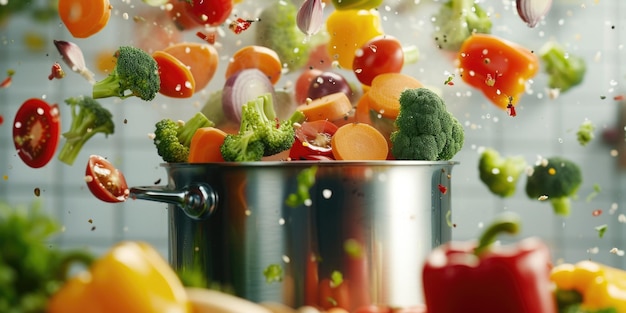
x: 105, y: 181
x: 313, y: 141
x: 36, y: 132
x: 209, y: 12
x: 381, y: 54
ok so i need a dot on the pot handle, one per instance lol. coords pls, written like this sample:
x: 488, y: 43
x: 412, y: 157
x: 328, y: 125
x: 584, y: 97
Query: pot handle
x: 198, y: 201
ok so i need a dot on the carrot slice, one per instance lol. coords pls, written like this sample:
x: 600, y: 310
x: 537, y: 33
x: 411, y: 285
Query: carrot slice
x: 362, y: 112
x: 200, y: 58
x: 384, y: 94
x: 262, y: 58
x: 359, y: 141
x: 84, y: 18
x: 176, y: 78
x: 205, y: 145
x: 332, y: 107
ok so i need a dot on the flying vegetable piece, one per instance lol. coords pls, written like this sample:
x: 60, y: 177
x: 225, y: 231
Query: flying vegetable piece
x: 356, y: 4
x: 589, y: 286
x: 497, y: 67
x: 456, y: 20
x: 565, y: 70
x: 278, y: 31
x: 136, y: 73
x: 310, y: 18
x: 425, y: 129
x: 261, y: 133
x: 73, y: 56
x: 487, y: 278
x: 558, y: 179
x: 348, y: 31
x: 173, y: 138
x: 89, y: 117
x: 305, y: 180
x: 56, y: 72
x: 500, y: 174
x: 585, y: 132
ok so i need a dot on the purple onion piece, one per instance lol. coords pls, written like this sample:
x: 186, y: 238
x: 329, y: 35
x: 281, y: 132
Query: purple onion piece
x: 310, y: 18
x: 73, y: 57
x: 241, y: 87
x: 532, y: 11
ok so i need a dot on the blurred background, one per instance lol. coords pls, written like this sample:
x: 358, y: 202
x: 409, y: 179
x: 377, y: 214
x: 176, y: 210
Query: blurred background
x: 544, y: 126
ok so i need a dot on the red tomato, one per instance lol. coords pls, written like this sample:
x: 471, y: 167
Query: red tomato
x: 105, y: 181
x: 303, y: 82
x: 36, y: 132
x: 181, y: 16
x: 210, y: 12
x: 313, y: 141
x: 382, y: 54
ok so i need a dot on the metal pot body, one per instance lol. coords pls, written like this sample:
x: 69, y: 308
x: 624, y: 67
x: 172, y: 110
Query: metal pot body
x: 371, y: 224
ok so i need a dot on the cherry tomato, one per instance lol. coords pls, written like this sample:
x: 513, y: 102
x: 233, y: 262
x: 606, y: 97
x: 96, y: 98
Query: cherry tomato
x: 381, y: 54
x: 105, y: 181
x: 36, y: 132
x: 209, y: 12
x: 328, y: 83
x: 303, y: 83
x: 181, y: 16
x: 313, y: 141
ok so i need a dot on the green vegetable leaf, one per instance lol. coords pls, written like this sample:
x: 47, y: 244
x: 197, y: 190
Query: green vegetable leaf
x: 273, y: 273
x: 336, y: 279
x: 585, y: 132
x: 305, y: 180
x: 601, y: 230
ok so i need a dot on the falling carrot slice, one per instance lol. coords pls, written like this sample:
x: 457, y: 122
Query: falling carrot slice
x: 333, y: 107
x: 176, y: 79
x: 84, y: 18
x: 200, y: 58
x: 262, y: 58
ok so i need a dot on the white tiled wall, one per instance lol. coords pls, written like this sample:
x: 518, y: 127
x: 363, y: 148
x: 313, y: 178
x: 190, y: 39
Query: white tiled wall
x: 546, y: 127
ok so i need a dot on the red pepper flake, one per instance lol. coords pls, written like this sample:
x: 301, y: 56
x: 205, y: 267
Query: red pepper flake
x: 442, y: 189
x: 618, y: 98
x: 597, y: 212
x: 510, y: 108
x: 240, y: 25
x: 7, y: 81
x: 209, y: 37
x: 1, y: 119
x: 56, y: 72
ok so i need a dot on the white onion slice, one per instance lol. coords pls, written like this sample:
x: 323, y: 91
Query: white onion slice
x: 532, y: 11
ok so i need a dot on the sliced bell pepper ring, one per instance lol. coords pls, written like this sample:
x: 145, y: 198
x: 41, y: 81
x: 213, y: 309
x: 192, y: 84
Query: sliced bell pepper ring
x: 497, y: 67
x: 470, y: 277
x: 600, y: 287
x: 130, y: 277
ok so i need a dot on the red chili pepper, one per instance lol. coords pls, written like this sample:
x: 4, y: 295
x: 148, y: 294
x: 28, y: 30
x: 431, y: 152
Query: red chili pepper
x: 210, y: 37
x: 7, y: 81
x: 470, y: 277
x: 510, y: 109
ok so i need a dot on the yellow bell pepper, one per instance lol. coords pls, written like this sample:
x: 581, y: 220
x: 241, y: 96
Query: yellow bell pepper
x: 130, y: 277
x: 348, y: 31
x: 600, y: 286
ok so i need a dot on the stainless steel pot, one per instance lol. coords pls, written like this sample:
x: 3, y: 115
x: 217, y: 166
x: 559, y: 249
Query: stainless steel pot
x: 371, y: 222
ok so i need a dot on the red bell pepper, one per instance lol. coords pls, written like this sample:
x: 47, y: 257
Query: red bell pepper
x: 470, y: 277
x: 497, y: 67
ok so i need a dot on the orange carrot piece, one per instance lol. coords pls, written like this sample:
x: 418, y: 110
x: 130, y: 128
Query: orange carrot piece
x: 176, y: 79
x: 332, y: 107
x: 84, y: 18
x: 384, y: 94
x: 200, y: 58
x: 362, y: 112
x: 262, y: 58
x: 205, y: 145
x: 359, y: 141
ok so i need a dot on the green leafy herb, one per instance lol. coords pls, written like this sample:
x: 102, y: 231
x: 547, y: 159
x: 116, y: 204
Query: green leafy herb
x: 273, y: 273
x: 594, y: 193
x: 305, y: 180
x: 336, y: 279
x: 585, y: 132
x: 601, y: 230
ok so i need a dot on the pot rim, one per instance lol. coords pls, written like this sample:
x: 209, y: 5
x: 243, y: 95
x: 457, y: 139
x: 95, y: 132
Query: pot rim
x: 263, y: 164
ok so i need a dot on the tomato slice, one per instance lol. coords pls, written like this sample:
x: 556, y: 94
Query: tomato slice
x: 209, y: 12
x: 105, y: 181
x: 36, y: 132
x: 313, y: 141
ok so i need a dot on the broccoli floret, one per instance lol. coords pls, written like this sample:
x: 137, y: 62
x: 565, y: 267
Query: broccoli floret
x: 260, y: 133
x: 564, y: 69
x: 500, y: 174
x: 425, y: 129
x: 557, y: 179
x: 456, y: 20
x: 173, y: 138
x: 277, y: 30
x: 585, y: 132
x: 136, y: 73
x: 89, y: 117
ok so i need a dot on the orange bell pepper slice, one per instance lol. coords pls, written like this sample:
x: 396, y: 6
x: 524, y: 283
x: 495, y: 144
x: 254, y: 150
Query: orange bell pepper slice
x: 497, y: 67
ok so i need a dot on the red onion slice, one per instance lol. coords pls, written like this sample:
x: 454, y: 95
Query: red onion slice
x: 241, y: 87
x: 532, y: 11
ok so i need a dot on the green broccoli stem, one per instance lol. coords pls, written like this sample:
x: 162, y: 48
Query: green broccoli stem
x: 108, y: 87
x: 561, y: 205
x: 186, y: 132
x: 76, y: 138
x: 297, y: 117
x: 461, y: 8
x: 506, y: 223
